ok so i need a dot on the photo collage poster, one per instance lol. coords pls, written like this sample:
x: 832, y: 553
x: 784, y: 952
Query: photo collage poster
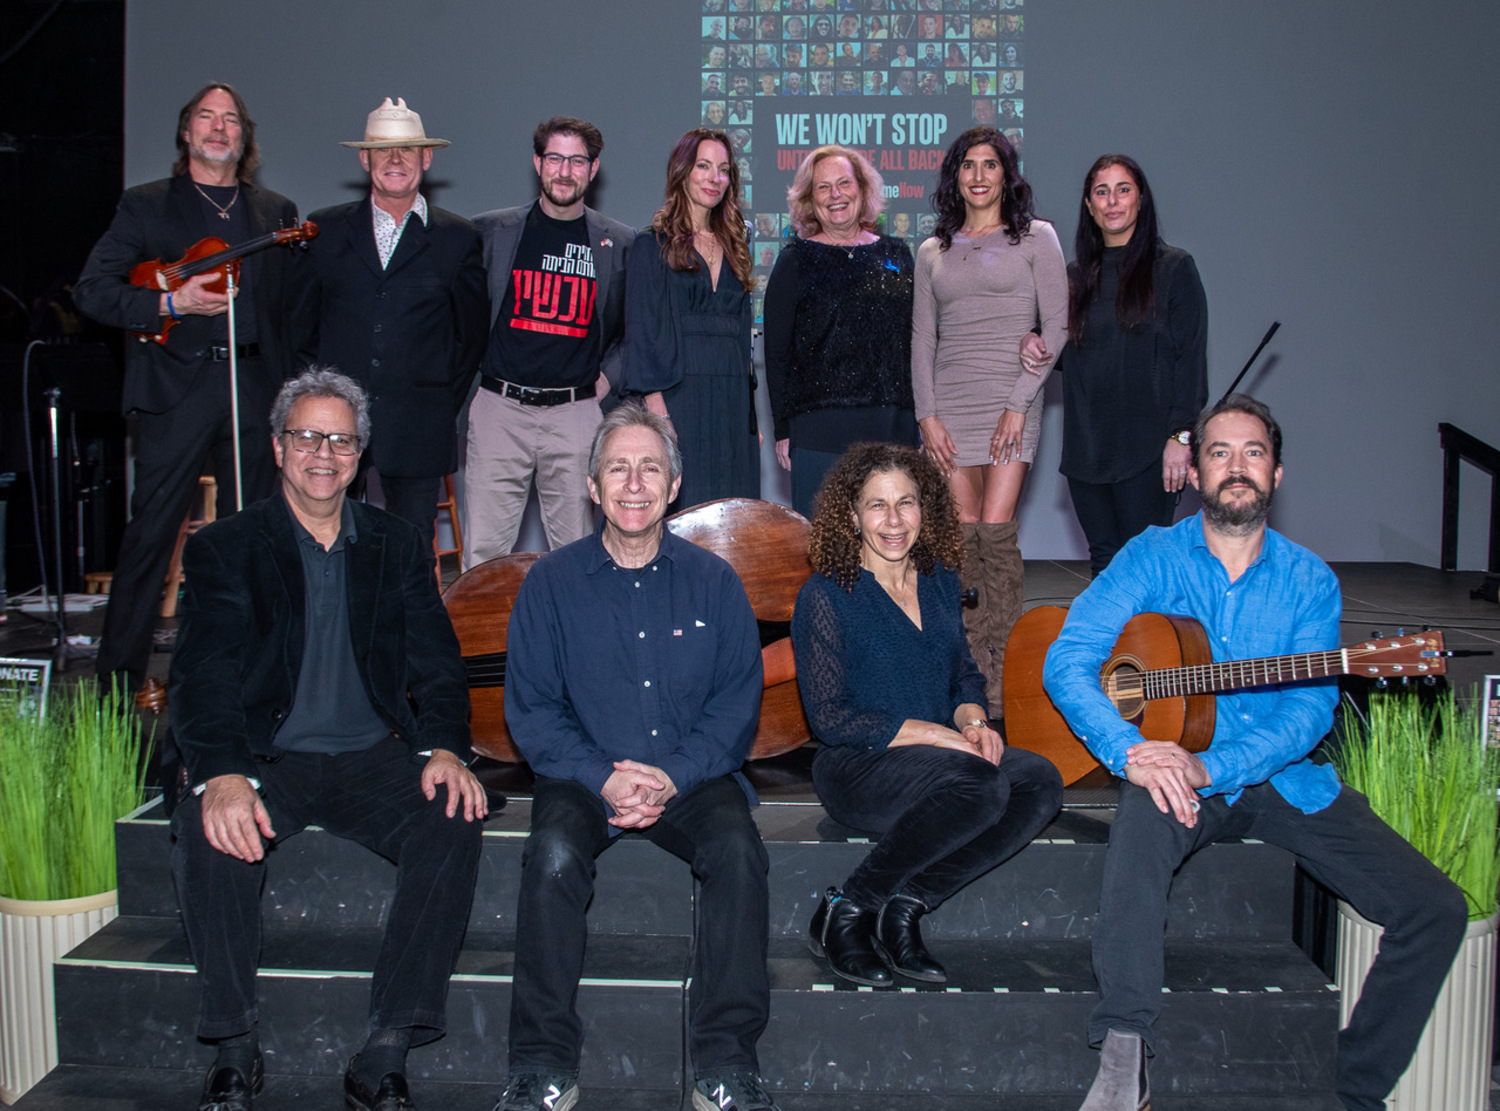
x: 783, y: 77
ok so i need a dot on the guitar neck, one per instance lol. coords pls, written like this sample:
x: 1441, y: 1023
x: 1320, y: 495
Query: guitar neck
x: 1177, y: 682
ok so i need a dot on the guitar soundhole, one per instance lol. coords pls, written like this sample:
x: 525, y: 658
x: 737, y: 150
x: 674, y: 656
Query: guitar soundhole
x: 1123, y: 686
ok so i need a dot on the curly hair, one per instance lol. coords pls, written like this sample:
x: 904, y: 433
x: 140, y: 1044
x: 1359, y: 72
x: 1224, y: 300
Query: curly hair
x: 674, y: 219
x: 834, y: 546
x: 799, y: 197
x: 1016, y: 209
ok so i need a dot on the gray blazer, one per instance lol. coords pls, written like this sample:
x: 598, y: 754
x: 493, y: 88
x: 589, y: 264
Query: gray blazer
x: 610, y: 240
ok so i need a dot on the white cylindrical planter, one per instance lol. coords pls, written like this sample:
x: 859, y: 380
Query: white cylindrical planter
x: 33, y: 934
x: 1451, y: 1069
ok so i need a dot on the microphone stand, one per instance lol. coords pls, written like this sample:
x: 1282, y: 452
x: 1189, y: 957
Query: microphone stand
x: 63, y: 651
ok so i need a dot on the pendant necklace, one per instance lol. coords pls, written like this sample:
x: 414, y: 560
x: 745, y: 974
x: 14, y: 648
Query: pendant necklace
x: 223, y: 208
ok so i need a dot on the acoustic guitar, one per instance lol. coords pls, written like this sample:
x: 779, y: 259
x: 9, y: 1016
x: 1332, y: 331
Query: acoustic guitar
x: 1162, y: 678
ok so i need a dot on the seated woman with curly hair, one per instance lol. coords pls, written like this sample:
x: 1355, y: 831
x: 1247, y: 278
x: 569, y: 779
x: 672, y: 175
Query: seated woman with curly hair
x: 898, y: 706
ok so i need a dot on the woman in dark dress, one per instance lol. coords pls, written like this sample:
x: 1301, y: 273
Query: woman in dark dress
x: 838, y: 323
x: 687, y: 321
x: 897, y: 704
x: 1135, y: 369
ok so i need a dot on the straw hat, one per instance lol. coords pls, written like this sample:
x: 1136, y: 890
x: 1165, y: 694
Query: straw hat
x: 394, y: 125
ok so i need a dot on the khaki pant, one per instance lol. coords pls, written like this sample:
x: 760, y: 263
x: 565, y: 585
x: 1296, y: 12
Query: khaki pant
x: 511, y: 444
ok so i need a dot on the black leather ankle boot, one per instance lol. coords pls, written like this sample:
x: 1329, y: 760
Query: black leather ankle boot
x: 844, y: 934
x: 899, y: 942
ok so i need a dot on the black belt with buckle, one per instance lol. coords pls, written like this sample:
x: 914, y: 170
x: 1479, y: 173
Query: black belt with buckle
x: 534, y: 395
x: 219, y: 353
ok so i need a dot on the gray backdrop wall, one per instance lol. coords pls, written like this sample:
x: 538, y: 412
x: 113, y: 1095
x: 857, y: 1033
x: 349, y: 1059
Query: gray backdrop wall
x: 1328, y: 164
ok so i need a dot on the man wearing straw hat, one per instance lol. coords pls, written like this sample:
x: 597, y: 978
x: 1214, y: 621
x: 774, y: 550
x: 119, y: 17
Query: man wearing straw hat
x: 393, y: 294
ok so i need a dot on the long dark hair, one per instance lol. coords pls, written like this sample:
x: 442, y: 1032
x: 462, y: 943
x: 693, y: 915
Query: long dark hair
x: 1136, y: 301
x: 674, y: 219
x: 249, y: 151
x: 1015, y: 199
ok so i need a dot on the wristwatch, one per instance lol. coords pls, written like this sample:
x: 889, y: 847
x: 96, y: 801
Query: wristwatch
x: 1185, y: 437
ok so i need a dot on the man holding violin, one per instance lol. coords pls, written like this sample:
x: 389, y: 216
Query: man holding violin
x: 177, y: 388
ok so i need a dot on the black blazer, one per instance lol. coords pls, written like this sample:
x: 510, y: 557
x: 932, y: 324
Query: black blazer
x: 161, y: 220
x: 411, y: 334
x: 243, y: 624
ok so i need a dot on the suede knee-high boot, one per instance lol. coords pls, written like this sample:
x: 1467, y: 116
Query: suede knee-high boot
x: 976, y: 617
x: 1002, y: 594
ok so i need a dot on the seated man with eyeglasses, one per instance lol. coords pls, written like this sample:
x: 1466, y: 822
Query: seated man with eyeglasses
x: 317, y: 680
x: 557, y: 319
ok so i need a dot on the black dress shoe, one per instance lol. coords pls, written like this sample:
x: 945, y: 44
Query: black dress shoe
x: 392, y: 1095
x: 899, y: 942
x: 845, y: 934
x: 227, y: 1089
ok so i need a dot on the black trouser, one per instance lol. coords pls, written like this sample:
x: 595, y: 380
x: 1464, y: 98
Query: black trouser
x: 373, y: 797
x: 1346, y: 848
x: 1110, y: 513
x: 170, y: 453
x: 944, y: 817
x: 414, y: 500
x: 710, y: 828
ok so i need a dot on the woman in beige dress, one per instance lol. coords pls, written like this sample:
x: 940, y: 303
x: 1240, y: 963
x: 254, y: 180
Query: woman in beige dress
x: 990, y: 272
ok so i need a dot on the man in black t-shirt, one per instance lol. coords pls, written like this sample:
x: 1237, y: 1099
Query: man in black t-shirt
x: 557, y: 311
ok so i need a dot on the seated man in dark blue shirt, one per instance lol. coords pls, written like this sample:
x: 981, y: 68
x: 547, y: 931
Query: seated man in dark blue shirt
x: 307, y: 622
x: 633, y: 688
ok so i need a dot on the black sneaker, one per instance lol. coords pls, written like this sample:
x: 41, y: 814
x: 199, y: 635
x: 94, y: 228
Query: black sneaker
x: 539, y: 1091
x: 732, y: 1091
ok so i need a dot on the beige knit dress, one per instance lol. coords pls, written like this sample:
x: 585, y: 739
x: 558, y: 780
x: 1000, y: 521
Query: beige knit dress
x: 973, y: 304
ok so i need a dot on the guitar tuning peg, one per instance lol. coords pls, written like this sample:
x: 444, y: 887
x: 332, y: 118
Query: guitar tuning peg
x: 1400, y: 632
x: 1376, y: 634
x: 1382, y: 682
x: 1429, y: 680
x: 1427, y: 628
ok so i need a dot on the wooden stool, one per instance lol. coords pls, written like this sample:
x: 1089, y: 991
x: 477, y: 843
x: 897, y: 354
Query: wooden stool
x: 451, y: 506
x: 98, y: 582
x: 210, y: 491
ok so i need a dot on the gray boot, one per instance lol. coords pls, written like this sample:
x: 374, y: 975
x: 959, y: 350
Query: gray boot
x: 1121, y: 1084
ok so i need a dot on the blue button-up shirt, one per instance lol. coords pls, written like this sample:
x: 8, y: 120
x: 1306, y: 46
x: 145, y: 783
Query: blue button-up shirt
x: 659, y: 664
x: 1286, y: 602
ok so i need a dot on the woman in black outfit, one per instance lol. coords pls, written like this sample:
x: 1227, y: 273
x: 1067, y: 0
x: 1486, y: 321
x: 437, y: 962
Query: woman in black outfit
x: 838, y: 323
x: 1134, y: 368
x: 898, y: 707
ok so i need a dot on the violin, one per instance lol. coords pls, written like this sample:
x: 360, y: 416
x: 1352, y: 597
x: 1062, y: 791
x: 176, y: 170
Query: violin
x: 208, y: 255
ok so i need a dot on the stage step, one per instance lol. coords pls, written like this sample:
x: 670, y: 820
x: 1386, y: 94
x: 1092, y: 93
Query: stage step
x: 1248, y: 1018
x: 78, y: 1088
x: 1051, y: 890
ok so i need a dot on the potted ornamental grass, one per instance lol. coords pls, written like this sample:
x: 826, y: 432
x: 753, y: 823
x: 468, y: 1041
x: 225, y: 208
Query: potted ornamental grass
x: 65, y: 776
x: 1429, y: 774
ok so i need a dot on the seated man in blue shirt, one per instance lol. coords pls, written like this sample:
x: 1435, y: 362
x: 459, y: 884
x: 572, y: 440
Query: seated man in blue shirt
x: 1256, y: 594
x: 633, y: 688
x: 317, y: 680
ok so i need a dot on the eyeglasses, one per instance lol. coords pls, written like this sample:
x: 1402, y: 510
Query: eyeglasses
x: 573, y: 162
x: 310, y: 440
